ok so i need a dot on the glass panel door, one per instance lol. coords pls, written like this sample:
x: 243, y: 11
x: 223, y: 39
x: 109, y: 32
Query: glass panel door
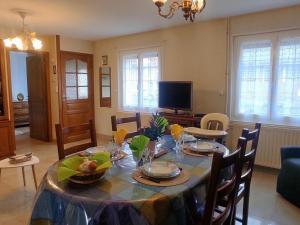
x: 76, y: 76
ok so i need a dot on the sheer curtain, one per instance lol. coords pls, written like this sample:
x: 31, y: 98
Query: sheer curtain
x: 266, y: 83
x: 287, y: 92
x: 130, y: 80
x: 139, y: 76
x: 254, y: 79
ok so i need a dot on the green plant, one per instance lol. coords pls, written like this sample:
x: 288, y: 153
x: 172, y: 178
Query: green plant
x: 157, y: 127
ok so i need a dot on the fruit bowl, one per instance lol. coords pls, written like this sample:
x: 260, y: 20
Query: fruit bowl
x: 87, y: 178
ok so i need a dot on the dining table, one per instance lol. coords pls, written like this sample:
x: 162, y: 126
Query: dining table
x: 118, y: 199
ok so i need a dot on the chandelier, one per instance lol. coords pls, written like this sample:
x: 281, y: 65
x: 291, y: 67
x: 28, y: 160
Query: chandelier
x: 26, y: 40
x: 189, y: 7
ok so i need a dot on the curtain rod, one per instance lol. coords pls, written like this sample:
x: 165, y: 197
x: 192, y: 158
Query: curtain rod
x: 266, y: 32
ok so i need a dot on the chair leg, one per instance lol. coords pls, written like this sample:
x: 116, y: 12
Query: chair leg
x: 23, y: 173
x: 34, y: 176
x: 246, y: 208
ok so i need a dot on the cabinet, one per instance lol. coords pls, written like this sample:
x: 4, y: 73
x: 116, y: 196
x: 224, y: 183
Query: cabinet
x: 185, y: 120
x: 21, y: 113
x: 7, y: 138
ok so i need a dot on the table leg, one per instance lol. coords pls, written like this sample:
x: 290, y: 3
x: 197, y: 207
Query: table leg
x: 23, y: 173
x: 34, y: 176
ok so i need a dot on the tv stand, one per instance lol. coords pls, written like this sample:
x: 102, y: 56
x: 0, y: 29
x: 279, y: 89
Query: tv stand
x: 183, y: 119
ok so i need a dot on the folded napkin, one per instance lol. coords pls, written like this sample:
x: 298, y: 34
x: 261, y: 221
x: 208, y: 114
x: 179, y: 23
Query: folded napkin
x: 176, y: 131
x: 119, y: 136
x: 138, y: 145
x: 70, y: 166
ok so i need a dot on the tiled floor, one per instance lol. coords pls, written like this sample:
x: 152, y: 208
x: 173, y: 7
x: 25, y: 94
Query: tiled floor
x: 266, y: 207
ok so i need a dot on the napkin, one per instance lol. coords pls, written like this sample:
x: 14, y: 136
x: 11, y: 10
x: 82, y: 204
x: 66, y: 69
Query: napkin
x: 176, y: 131
x: 138, y: 145
x: 119, y: 136
x: 69, y: 167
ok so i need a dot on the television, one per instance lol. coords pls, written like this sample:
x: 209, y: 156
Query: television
x: 177, y: 95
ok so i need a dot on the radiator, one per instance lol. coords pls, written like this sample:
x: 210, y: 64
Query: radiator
x: 272, y: 138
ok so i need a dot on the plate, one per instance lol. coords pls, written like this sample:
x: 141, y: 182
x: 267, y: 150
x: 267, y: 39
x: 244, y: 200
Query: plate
x: 204, y: 132
x: 20, y: 158
x: 189, y: 138
x: 161, y: 170
x: 201, y: 147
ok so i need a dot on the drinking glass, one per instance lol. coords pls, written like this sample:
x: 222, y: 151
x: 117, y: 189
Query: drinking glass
x: 151, y: 154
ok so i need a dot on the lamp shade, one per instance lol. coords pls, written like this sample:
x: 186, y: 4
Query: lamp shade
x: 160, y: 1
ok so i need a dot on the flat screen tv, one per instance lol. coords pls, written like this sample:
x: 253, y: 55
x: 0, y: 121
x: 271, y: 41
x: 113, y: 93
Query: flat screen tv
x: 175, y: 95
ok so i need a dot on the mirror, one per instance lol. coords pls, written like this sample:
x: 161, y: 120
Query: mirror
x: 105, y: 87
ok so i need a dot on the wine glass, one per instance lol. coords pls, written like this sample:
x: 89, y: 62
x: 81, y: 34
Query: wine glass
x: 151, y: 154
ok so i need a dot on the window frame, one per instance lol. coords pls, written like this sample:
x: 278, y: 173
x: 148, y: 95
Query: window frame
x: 140, y: 52
x: 275, y: 38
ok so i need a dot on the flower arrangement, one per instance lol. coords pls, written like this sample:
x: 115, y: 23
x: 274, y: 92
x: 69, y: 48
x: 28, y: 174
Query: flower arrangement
x: 157, y: 128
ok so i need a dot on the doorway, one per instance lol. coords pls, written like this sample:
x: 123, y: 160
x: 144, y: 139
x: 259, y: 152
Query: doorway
x: 76, y: 88
x: 30, y: 95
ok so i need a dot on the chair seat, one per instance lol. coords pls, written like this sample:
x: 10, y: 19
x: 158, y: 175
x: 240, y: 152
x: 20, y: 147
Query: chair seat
x: 288, y: 183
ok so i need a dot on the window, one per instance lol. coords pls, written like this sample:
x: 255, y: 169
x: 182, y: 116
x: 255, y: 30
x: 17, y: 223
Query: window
x: 266, y: 85
x: 140, y: 74
x: 76, y: 79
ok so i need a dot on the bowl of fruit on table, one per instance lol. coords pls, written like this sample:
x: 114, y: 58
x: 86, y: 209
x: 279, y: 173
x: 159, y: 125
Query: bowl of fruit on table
x: 84, y: 169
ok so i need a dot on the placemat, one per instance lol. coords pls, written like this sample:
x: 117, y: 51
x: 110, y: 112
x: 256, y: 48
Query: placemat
x: 192, y: 153
x: 181, y: 179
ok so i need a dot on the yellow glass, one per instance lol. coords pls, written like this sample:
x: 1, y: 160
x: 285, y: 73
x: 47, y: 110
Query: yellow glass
x: 119, y: 136
x: 176, y: 131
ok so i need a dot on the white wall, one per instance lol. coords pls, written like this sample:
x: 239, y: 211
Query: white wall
x: 197, y: 52
x: 76, y: 45
x: 18, y: 74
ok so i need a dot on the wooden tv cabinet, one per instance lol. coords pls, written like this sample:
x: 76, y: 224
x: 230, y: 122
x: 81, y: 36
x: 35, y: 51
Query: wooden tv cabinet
x: 184, y: 119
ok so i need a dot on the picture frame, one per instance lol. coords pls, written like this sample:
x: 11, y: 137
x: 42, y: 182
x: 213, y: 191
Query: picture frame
x: 104, y: 60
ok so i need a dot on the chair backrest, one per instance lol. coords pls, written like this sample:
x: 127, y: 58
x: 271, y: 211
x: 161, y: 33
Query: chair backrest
x: 215, y: 121
x: 75, y: 134
x: 248, y: 158
x: 136, y: 119
x: 220, y: 189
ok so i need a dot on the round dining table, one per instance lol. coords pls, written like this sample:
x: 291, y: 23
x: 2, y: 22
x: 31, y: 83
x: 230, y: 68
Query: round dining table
x: 118, y: 199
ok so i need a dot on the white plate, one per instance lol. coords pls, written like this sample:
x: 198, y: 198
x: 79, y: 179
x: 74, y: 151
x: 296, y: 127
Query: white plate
x: 204, y: 132
x: 188, y: 138
x: 201, y: 146
x: 161, y: 169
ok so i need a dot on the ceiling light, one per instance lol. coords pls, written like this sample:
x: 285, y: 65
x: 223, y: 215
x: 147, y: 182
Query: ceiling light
x: 26, y: 40
x: 189, y: 7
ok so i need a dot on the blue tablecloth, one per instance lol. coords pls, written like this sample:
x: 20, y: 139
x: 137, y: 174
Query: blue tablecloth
x: 120, y: 200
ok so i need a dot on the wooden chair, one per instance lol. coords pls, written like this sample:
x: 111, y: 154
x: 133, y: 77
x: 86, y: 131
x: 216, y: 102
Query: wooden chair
x: 137, y: 119
x: 68, y: 135
x: 247, y: 159
x: 220, y: 189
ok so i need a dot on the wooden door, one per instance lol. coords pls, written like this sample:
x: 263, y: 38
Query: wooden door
x: 77, y: 91
x: 37, y: 97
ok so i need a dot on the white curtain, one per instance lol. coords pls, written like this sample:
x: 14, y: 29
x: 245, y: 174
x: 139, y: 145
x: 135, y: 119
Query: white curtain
x: 266, y: 85
x: 287, y: 76
x: 140, y: 74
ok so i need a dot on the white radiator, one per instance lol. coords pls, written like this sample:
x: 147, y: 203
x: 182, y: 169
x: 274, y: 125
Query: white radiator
x: 272, y: 138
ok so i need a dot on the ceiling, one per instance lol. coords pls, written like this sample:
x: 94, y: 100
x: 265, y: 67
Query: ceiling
x: 98, y: 19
